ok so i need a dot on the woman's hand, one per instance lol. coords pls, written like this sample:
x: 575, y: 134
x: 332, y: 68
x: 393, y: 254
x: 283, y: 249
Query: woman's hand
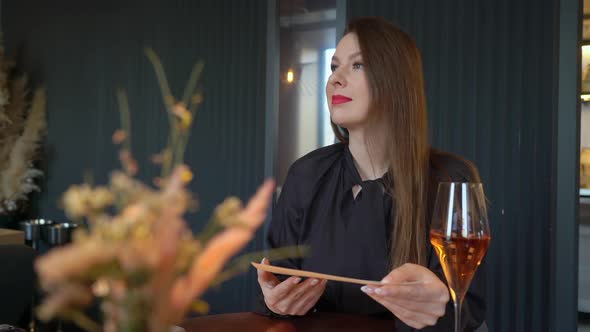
x: 419, y: 304
x: 290, y: 297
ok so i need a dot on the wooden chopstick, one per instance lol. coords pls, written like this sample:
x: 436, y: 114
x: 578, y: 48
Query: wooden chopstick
x: 309, y: 274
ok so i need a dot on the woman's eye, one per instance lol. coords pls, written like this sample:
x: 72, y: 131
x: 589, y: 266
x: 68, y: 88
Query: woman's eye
x: 333, y: 67
x: 357, y: 65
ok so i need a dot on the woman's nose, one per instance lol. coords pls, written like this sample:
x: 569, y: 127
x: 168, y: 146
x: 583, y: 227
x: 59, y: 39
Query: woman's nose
x: 337, y: 79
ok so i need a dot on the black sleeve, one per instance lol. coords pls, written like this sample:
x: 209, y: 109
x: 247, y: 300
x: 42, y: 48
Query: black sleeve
x: 284, y: 231
x: 285, y: 227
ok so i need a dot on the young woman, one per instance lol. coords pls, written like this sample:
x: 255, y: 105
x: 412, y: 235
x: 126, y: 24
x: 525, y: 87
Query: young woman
x: 363, y: 206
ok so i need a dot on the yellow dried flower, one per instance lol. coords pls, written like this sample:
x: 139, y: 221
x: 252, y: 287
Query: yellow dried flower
x: 186, y: 175
x: 186, y: 118
x: 119, y: 136
x: 188, y: 250
x: 81, y: 201
x: 100, y: 288
x: 138, y: 255
x: 129, y: 164
x: 200, y: 307
x: 75, y: 201
x: 226, y: 212
x: 102, y: 198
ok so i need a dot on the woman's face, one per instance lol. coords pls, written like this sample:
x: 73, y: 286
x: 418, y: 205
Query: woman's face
x: 347, y: 89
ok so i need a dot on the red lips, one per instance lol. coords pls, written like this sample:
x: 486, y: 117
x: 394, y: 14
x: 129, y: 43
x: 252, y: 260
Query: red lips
x: 340, y: 99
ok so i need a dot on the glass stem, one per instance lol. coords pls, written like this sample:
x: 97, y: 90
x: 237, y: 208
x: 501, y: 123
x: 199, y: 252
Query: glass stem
x: 458, y: 303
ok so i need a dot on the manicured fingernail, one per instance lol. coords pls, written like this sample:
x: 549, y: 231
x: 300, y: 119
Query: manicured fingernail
x: 270, y: 285
x: 296, y: 280
x: 379, y: 291
x: 314, y: 282
x: 367, y: 290
x: 262, y: 261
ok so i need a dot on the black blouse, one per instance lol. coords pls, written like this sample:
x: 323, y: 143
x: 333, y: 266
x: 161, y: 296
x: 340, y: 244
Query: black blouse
x: 350, y: 236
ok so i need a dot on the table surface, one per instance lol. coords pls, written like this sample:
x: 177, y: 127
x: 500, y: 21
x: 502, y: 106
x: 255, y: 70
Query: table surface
x: 11, y: 236
x: 251, y: 322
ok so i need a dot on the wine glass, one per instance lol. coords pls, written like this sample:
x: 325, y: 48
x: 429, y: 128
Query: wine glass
x: 460, y: 234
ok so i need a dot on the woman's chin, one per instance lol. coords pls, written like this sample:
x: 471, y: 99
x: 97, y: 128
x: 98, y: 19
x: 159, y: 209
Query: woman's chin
x: 346, y: 123
x: 342, y: 121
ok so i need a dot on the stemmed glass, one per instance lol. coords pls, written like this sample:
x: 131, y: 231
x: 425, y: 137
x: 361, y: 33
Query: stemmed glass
x: 461, y: 235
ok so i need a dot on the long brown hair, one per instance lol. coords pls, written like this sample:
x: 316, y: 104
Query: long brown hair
x: 393, y: 66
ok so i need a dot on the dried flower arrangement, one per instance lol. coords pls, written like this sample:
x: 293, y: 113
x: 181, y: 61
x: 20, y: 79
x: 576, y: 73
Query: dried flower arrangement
x: 142, y: 262
x: 22, y: 126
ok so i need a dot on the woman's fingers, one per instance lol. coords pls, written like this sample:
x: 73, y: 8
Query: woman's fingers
x: 418, y: 318
x: 415, y: 319
x: 417, y: 295
x: 424, y: 292
x: 295, y: 299
x: 277, y: 295
x: 273, y: 289
x: 433, y: 309
x: 266, y: 279
x: 310, y: 299
x: 419, y: 303
x: 290, y: 297
x: 412, y: 318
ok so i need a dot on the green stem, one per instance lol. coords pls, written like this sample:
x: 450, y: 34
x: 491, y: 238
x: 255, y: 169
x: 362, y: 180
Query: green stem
x: 162, y: 81
x: 168, y: 102
x: 184, y: 142
x: 125, y: 117
x: 192, y: 82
